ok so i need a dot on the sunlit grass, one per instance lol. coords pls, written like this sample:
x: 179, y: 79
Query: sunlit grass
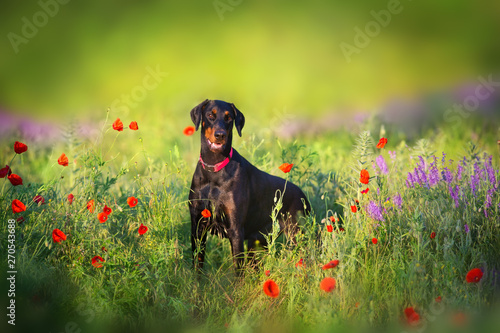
x: 148, y: 281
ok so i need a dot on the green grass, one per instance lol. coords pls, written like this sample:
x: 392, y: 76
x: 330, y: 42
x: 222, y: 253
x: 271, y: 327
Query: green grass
x: 147, y: 282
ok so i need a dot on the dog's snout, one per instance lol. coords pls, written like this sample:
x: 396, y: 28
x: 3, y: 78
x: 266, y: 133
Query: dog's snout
x: 220, y: 135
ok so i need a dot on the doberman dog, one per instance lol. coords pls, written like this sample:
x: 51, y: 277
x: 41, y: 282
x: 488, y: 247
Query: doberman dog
x: 239, y: 196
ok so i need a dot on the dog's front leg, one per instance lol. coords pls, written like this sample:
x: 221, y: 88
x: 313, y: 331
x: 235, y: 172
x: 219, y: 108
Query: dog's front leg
x: 236, y: 238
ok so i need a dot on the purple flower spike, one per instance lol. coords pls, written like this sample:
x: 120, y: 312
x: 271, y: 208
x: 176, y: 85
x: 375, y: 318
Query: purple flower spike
x: 374, y: 211
x: 490, y: 171
x: 447, y: 175
x: 381, y: 164
x: 487, y: 203
x: 454, y: 192
x: 460, y: 169
x: 397, y: 200
x: 474, y: 184
x: 433, y: 173
x: 393, y: 155
x: 409, y: 180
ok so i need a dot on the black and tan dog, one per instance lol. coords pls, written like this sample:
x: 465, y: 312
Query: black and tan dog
x: 239, y: 196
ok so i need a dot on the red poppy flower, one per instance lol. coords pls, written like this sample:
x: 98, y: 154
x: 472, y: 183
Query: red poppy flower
x: 70, y: 198
x: 267, y: 273
x: 438, y: 299
x: 341, y: 229
x: 90, y: 206
x: 381, y: 143
x: 286, y: 167
x: 20, y: 219
x: 118, y: 125
x: 331, y: 264
x: 433, y: 235
x: 364, y: 177
x: 329, y: 228
x: 5, y: 171
x: 104, y: 249
x: 15, y: 180
x: 271, y: 289
x: 58, y: 236
x: 332, y: 218
x: 365, y: 191
x: 63, y: 160
x: 412, y: 317
x: 328, y: 284
x: 38, y: 199
x: 17, y: 206
x: 102, y: 217
x: 189, y: 130
x: 132, y: 201
x: 206, y: 213
x: 142, y: 229
x: 20, y: 147
x: 374, y: 240
x: 354, y: 209
x: 96, y: 261
x: 133, y: 126
x: 474, y: 276
x: 106, y: 210
x: 300, y: 263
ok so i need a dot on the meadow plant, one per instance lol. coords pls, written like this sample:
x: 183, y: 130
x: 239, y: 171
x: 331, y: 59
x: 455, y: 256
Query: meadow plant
x: 385, y: 245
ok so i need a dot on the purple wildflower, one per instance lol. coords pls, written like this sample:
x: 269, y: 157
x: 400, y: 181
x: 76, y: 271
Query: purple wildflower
x: 422, y: 165
x: 460, y: 169
x: 393, y: 155
x: 487, y: 202
x: 474, y: 183
x: 466, y: 227
x: 420, y: 172
x: 421, y: 176
x: 490, y: 171
x: 447, y: 175
x: 397, y: 200
x: 478, y: 172
x: 433, y: 173
x: 454, y: 194
x: 409, y: 180
x: 381, y: 164
x: 374, y: 211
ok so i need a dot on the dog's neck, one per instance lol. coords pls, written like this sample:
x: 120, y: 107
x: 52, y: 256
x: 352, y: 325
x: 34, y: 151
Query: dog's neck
x: 218, y: 166
x: 215, y: 161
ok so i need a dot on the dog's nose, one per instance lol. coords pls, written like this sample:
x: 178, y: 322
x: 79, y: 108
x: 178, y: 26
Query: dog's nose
x: 220, y: 135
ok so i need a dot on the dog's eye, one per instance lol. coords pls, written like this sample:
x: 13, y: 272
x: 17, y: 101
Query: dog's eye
x: 211, y: 116
x: 227, y: 117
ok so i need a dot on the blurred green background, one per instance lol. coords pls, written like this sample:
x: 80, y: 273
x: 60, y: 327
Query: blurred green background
x: 261, y: 55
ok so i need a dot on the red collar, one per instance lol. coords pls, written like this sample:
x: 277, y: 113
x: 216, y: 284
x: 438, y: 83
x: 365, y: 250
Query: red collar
x: 219, y: 166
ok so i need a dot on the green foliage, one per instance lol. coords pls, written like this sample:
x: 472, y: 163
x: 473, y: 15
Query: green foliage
x: 147, y: 281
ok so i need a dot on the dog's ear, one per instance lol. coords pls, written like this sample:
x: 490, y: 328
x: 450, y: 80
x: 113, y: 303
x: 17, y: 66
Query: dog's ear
x: 196, y: 113
x: 239, y: 119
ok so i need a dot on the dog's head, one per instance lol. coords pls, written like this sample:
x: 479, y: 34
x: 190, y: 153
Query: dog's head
x: 217, y: 119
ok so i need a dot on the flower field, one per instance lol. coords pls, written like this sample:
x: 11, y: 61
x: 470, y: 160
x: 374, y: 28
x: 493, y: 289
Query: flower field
x: 404, y: 235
